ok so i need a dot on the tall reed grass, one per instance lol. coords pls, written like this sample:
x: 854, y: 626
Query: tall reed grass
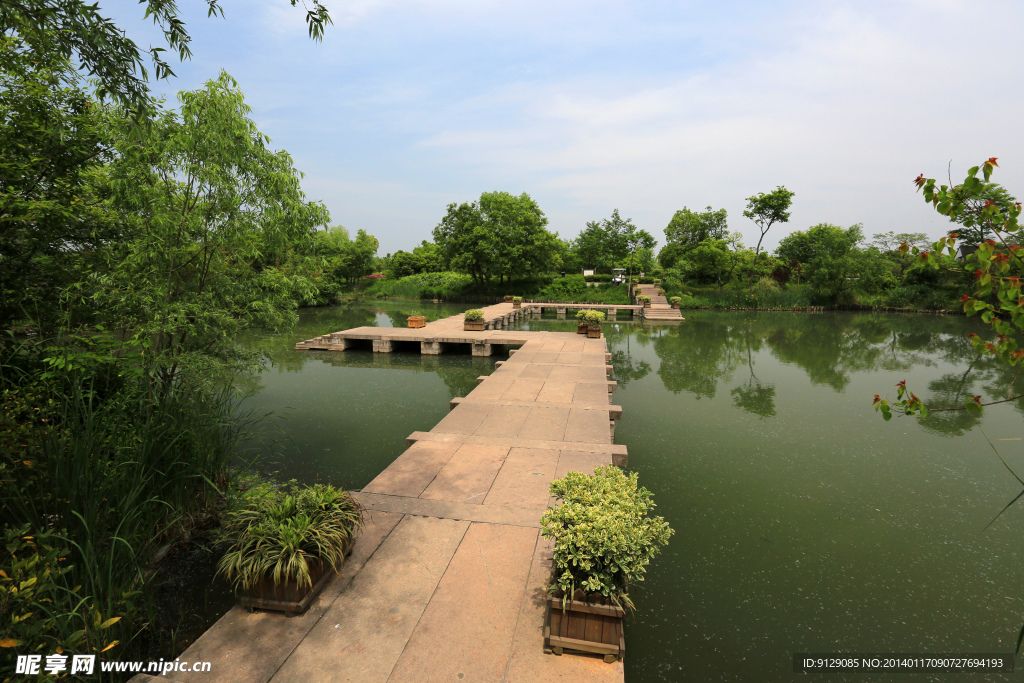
x: 106, y: 476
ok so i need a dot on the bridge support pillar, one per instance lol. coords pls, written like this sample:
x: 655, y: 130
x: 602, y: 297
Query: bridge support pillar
x: 338, y: 342
x: 431, y: 348
x: 612, y: 312
x: 382, y: 346
x: 481, y: 349
x: 561, y: 312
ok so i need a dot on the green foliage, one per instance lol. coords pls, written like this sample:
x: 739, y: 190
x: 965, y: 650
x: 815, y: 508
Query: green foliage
x: 604, y: 537
x: 52, y: 153
x: 594, y: 318
x: 73, y: 28
x: 568, y: 288
x: 833, y: 264
x: 474, y: 315
x: 517, y: 299
x: 768, y: 209
x: 779, y: 298
x: 343, y: 259
x: 211, y: 214
x: 103, y: 474
x: 499, y: 235
x: 675, y: 300
x: 994, y: 268
x: 423, y: 286
x: 687, y: 229
x: 278, y: 538
x: 610, y: 241
x: 717, y: 260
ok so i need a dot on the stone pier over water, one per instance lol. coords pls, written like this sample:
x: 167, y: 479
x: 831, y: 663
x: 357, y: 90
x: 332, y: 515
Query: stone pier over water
x: 447, y: 579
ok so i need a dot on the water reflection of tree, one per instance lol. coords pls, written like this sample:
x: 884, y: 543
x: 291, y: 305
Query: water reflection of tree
x: 754, y: 396
x: 830, y: 348
x: 697, y: 358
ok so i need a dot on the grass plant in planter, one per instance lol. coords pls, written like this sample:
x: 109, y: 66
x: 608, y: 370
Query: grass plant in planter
x: 604, y: 540
x: 581, y: 322
x: 517, y: 302
x: 283, y: 548
x: 594, y: 320
x: 645, y: 300
x: 675, y: 301
x: 474, y: 320
x: 508, y: 298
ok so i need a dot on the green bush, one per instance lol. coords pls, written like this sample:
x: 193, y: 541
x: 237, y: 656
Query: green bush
x: 474, y: 315
x: 567, y: 288
x: 598, y: 277
x: 675, y: 300
x: 594, y: 318
x: 422, y: 286
x: 517, y: 299
x: 604, y: 538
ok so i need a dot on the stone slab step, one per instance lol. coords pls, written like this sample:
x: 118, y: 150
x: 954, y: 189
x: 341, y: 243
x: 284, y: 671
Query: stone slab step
x: 614, y: 412
x: 443, y: 509
x: 618, y: 452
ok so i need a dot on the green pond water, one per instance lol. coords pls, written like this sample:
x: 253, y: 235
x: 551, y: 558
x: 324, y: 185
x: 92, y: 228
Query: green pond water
x: 804, y: 523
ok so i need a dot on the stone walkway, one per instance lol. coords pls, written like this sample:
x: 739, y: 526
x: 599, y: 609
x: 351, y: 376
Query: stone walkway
x: 447, y: 579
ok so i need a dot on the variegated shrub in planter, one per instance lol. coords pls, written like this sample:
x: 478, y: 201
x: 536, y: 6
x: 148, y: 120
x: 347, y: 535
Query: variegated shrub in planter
x: 604, y: 539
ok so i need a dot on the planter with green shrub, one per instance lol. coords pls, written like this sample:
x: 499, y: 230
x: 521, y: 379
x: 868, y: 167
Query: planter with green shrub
x: 644, y: 300
x: 594, y: 320
x: 581, y: 322
x: 675, y: 301
x: 508, y: 298
x: 283, y: 548
x: 473, y: 320
x: 604, y: 538
x: 517, y: 302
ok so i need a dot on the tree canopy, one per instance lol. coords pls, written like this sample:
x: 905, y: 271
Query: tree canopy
x: 768, y: 209
x: 689, y: 228
x: 499, y: 235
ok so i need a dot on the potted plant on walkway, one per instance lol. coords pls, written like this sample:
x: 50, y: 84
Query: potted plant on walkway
x: 283, y: 548
x: 517, y: 302
x: 604, y: 540
x: 675, y: 301
x: 594, y: 320
x: 581, y: 321
x: 645, y: 300
x: 473, y: 320
x: 416, y: 321
x: 508, y: 298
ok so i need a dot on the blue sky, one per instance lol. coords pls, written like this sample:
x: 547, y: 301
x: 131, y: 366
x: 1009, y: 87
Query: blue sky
x: 407, y: 106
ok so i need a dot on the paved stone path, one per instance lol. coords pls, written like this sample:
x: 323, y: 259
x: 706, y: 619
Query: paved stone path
x: 447, y: 579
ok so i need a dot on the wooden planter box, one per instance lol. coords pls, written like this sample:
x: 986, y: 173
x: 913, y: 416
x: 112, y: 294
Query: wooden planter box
x: 647, y: 304
x: 593, y: 627
x: 417, y: 320
x: 581, y: 328
x: 508, y: 299
x: 517, y: 305
x: 594, y: 332
x: 289, y: 597
x: 675, y: 305
x: 474, y: 327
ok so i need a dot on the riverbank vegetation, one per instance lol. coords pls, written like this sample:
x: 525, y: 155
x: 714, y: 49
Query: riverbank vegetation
x: 133, y: 250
